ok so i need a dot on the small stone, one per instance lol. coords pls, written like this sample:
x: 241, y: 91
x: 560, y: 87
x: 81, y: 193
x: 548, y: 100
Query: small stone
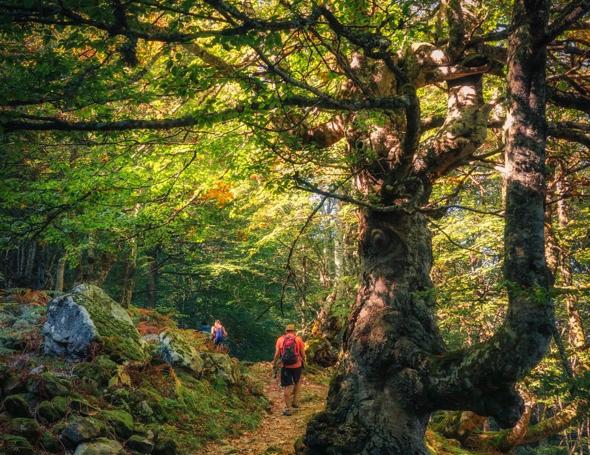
x: 140, y: 444
x: 27, y: 428
x: 17, y: 406
x: 81, y: 429
x: 101, y: 446
x: 13, y: 385
x: 80, y: 406
x: 37, y: 370
x: 145, y: 409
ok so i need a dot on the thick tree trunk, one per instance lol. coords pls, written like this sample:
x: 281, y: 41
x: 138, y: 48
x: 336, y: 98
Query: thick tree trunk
x: 376, y: 402
x: 394, y: 370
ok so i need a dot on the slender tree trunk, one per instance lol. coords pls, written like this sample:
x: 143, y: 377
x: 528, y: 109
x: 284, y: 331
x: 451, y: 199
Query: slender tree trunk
x: 152, y: 281
x: 576, y: 332
x: 59, y: 274
x: 103, y: 268
x: 129, y: 278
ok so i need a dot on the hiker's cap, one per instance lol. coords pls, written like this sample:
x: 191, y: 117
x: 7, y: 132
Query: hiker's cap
x: 290, y: 328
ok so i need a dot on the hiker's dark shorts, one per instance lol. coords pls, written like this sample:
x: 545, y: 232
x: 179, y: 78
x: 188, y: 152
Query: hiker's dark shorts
x: 290, y: 376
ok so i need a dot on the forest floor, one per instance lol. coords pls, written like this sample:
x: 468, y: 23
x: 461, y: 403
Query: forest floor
x: 276, y: 434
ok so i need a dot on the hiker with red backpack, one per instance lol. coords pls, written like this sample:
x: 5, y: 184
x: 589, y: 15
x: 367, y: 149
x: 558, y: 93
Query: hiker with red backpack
x: 290, y: 354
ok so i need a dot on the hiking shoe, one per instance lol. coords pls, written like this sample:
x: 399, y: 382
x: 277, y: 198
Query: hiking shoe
x: 287, y: 412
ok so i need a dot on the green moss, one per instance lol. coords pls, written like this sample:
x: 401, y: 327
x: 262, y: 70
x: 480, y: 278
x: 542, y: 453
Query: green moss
x: 52, y: 411
x: 80, y: 429
x: 17, y: 405
x: 120, y: 421
x: 80, y: 406
x: 165, y: 446
x: 47, y: 385
x: 15, y: 445
x: 439, y: 445
x: 27, y: 428
x: 100, y: 371
x: 50, y: 442
x: 120, y: 338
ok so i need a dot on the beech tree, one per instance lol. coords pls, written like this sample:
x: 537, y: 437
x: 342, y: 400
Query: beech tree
x: 338, y: 86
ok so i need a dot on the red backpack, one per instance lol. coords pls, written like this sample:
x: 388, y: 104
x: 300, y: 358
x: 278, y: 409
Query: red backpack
x: 289, y: 351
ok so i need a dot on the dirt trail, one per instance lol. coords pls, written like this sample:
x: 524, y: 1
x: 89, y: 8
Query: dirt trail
x: 277, y: 433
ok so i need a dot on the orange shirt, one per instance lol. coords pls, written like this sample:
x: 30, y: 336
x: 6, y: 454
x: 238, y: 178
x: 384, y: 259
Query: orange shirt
x: 300, y: 348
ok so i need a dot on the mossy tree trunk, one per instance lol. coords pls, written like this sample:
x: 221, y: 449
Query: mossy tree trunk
x: 395, y: 369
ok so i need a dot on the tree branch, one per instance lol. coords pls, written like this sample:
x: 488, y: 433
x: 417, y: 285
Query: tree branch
x: 203, y: 117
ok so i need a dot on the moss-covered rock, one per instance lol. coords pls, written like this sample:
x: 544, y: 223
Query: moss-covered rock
x: 101, y: 446
x: 222, y: 366
x: 86, y: 315
x: 13, y: 384
x: 17, y: 405
x: 165, y: 446
x: 140, y: 444
x: 120, y: 421
x: 19, y: 326
x: 15, y: 445
x: 50, y: 442
x: 100, y: 371
x: 52, y: 411
x: 81, y: 429
x: 80, y: 406
x: 177, y: 350
x: 47, y: 385
x: 27, y: 428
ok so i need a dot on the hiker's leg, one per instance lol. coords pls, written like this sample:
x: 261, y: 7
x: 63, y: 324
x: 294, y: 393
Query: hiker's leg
x: 288, y: 397
x: 287, y: 384
x: 296, y: 391
x: 297, y: 387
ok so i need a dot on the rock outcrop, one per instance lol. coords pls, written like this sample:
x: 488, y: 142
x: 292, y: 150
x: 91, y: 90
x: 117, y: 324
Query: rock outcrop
x: 175, y: 350
x: 87, y: 315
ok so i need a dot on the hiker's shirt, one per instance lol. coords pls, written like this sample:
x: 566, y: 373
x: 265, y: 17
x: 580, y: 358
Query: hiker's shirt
x: 300, y: 349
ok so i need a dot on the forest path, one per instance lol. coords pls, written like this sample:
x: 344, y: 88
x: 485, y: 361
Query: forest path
x: 276, y: 434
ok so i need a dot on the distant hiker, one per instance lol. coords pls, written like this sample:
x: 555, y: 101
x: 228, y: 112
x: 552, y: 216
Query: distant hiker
x: 218, y: 333
x: 205, y: 327
x: 290, y: 354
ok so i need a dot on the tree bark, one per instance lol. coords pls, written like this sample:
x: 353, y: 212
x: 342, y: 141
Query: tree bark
x: 394, y: 370
x: 376, y: 402
x: 152, y: 281
x: 59, y: 273
x: 129, y: 278
x: 576, y: 332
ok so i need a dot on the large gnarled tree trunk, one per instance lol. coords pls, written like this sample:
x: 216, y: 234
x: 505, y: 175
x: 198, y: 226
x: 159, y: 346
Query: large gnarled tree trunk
x: 395, y: 370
